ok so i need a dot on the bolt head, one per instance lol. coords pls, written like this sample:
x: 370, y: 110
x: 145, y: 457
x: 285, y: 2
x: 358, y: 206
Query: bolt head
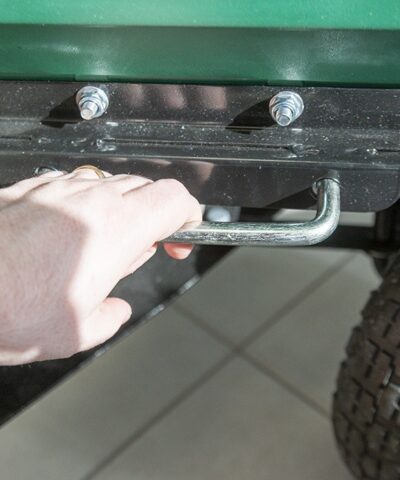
x: 92, y: 102
x: 42, y: 169
x: 89, y: 110
x: 284, y: 116
x: 218, y: 214
x: 285, y: 107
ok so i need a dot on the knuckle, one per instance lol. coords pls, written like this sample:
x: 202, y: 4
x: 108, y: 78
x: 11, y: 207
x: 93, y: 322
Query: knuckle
x: 173, y: 187
x: 141, y: 177
x: 45, y: 189
x: 27, y: 184
x: 122, y: 176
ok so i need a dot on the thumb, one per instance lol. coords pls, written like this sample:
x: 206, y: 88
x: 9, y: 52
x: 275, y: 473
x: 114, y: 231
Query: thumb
x: 104, y: 322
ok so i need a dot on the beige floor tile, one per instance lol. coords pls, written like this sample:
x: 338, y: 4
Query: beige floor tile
x: 252, y: 284
x: 69, y: 431
x: 240, y: 425
x: 306, y: 346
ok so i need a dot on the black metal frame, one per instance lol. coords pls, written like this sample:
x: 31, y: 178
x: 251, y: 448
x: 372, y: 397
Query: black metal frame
x: 221, y: 142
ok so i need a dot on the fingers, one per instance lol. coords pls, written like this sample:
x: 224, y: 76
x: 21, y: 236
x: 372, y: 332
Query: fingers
x: 81, y: 174
x: 19, y: 189
x: 179, y: 251
x: 123, y: 183
x: 87, y: 178
x: 89, y: 173
x: 126, y: 183
x: 154, y: 210
x: 104, y: 322
x: 165, y: 206
x: 23, y: 187
x: 141, y: 261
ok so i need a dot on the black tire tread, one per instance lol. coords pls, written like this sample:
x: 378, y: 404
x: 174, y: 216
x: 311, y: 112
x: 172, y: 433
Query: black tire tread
x: 366, y: 406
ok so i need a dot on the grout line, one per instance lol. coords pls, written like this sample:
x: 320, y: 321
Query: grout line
x: 235, y: 350
x: 240, y: 348
x: 170, y: 407
x: 199, y: 322
x: 254, y: 362
x: 309, y: 401
x: 298, y: 299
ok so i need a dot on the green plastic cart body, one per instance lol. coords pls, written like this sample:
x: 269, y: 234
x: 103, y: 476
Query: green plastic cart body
x: 296, y: 42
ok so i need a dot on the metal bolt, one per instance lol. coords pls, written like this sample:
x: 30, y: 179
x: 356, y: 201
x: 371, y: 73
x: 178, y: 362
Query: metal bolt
x: 44, y: 169
x: 92, y: 102
x: 286, y: 107
x: 218, y: 214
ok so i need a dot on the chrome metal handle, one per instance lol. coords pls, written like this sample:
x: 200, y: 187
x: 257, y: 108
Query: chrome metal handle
x: 271, y: 234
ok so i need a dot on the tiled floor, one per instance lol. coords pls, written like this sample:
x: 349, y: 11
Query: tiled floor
x: 233, y: 381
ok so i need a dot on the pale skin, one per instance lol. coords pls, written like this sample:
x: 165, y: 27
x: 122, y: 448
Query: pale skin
x: 65, y: 242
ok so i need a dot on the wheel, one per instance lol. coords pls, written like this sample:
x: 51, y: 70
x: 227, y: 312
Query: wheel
x: 366, y: 406
x: 382, y: 262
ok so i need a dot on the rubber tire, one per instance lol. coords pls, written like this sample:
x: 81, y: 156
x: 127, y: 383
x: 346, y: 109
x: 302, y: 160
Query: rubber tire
x: 366, y: 404
x: 382, y: 264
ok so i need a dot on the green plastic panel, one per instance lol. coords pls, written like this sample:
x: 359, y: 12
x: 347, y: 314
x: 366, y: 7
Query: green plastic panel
x: 338, y: 14
x: 336, y: 42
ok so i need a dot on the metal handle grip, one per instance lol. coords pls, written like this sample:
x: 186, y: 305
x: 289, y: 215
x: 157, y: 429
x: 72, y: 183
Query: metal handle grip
x: 271, y: 234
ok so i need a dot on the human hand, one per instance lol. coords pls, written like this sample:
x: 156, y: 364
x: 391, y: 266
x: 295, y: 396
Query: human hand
x: 65, y: 242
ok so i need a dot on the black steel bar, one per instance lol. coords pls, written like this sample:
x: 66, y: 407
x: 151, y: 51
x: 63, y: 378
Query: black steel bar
x: 219, y: 140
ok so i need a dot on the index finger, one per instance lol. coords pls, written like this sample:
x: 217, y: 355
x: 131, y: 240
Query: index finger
x: 157, y: 210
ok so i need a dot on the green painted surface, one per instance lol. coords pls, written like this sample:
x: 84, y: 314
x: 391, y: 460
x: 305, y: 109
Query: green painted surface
x: 333, y: 42
x: 338, y: 14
